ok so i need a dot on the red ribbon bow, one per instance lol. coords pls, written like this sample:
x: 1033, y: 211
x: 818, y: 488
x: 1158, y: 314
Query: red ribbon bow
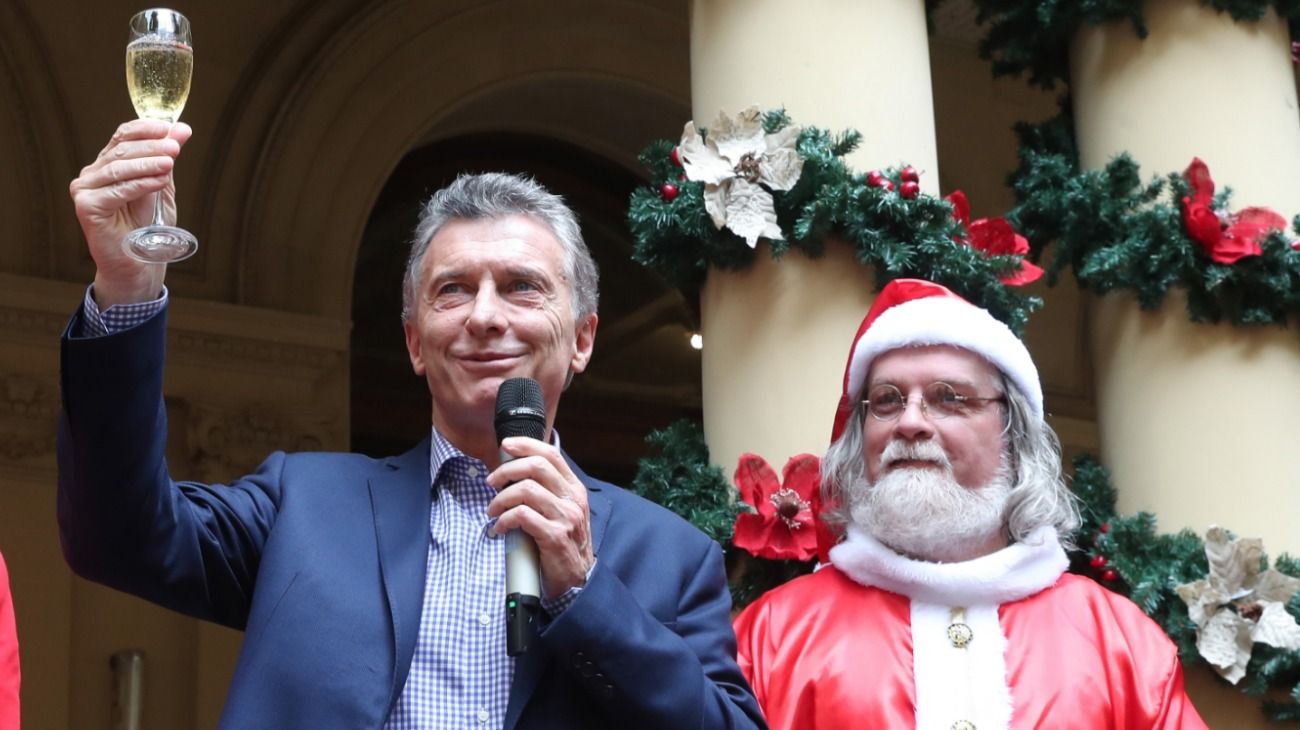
x: 994, y: 236
x: 1226, y: 237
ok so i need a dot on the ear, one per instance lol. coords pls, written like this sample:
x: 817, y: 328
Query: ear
x: 584, y: 338
x: 413, y: 347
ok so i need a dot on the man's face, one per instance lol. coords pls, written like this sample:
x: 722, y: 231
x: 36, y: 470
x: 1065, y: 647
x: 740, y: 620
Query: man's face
x: 493, y: 303
x: 973, y: 442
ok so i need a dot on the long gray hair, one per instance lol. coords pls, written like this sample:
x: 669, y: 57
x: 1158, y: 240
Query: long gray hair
x: 1039, y: 495
x: 499, y: 195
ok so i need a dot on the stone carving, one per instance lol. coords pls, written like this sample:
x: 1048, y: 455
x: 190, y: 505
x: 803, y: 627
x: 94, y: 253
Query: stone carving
x: 223, y: 443
x: 29, y: 408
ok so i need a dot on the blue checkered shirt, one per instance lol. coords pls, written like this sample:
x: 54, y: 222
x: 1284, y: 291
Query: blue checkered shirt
x: 117, y: 317
x: 460, y: 674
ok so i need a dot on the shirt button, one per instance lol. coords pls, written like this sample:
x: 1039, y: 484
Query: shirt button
x: 484, y: 619
x: 474, y: 472
x: 482, y: 715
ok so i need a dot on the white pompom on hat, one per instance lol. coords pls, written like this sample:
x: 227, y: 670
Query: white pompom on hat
x: 919, y: 313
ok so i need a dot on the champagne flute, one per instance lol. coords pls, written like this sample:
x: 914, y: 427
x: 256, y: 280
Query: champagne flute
x: 159, y: 61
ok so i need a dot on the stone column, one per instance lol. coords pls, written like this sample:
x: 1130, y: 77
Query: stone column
x: 1198, y: 422
x: 776, y: 336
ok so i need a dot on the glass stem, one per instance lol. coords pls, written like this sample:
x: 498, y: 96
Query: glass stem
x: 158, y: 209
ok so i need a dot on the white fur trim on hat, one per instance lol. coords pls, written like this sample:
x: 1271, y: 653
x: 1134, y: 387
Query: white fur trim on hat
x: 946, y: 321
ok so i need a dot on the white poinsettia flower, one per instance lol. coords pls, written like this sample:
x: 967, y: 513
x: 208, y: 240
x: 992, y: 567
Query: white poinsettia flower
x: 738, y: 164
x: 1237, y: 605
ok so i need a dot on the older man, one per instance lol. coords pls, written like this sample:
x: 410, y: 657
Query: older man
x: 372, y: 591
x: 947, y: 604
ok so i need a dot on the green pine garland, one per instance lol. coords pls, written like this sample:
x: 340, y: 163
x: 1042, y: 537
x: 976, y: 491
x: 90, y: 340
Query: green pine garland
x: 1033, y: 36
x: 895, y: 236
x: 1118, y: 233
x: 680, y: 477
x: 1149, y: 566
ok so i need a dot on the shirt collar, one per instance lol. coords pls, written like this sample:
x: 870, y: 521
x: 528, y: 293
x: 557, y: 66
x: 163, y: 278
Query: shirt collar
x: 442, y: 451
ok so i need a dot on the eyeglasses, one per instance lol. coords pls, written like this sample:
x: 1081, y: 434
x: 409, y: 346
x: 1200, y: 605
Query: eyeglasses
x: 939, y: 400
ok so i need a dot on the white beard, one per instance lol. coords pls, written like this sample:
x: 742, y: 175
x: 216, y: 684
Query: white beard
x: 925, y: 514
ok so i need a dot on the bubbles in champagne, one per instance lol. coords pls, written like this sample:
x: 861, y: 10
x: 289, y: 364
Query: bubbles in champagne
x: 158, y: 77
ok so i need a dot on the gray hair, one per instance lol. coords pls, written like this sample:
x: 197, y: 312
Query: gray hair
x: 1039, y: 495
x: 499, y: 195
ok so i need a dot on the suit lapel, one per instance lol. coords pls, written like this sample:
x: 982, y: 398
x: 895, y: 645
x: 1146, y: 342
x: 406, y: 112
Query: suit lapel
x: 401, y: 499
x: 530, y: 667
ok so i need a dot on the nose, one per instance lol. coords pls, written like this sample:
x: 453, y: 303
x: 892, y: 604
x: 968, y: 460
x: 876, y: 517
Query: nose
x: 914, y: 423
x: 487, y: 316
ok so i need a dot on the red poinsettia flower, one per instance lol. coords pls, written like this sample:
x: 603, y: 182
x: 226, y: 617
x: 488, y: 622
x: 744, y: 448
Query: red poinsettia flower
x: 784, y: 527
x: 995, y: 237
x: 1226, y: 237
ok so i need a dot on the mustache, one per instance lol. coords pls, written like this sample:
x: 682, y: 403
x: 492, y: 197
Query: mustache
x: 899, y: 450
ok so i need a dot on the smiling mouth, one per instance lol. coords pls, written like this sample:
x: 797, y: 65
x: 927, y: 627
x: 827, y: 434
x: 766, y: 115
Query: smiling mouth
x: 914, y: 464
x: 490, y: 356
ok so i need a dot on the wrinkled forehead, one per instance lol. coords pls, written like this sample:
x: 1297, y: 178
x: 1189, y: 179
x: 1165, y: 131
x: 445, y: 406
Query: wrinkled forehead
x: 925, y: 364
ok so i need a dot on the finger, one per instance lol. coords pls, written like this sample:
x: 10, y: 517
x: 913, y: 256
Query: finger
x: 519, y: 448
x: 107, y: 201
x: 120, y: 171
x: 553, y: 537
x: 137, y: 148
x: 541, y: 500
x: 138, y: 129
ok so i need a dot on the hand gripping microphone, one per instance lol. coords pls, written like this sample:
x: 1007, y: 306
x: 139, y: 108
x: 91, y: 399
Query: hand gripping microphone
x: 520, y: 411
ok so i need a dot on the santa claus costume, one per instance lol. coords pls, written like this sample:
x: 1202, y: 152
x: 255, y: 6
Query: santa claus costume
x: 1007, y: 640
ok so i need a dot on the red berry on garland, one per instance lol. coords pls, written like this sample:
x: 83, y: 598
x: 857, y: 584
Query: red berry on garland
x: 668, y: 192
x: 875, y: 179
x: 1098, y: 561
x: 1104, y: 528
x: 675, y: 157
x: 1109, y: 576
x: 909, y: 174
x: 909, y: 189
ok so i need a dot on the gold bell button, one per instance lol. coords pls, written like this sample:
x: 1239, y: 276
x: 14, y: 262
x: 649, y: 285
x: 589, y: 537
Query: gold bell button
x: 963, y: 725
x: 958, y: 632
x: 960, y: 635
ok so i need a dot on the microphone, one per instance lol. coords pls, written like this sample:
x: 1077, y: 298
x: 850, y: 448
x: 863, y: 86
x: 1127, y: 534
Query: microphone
x: 520, y: 411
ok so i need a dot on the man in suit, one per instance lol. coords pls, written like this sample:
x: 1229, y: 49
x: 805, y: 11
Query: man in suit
x: 370, y: 590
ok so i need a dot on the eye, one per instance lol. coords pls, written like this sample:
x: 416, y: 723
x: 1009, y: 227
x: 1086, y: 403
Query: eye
x: 944, y: 398
x: 521, y: 285
x: 885, y: 401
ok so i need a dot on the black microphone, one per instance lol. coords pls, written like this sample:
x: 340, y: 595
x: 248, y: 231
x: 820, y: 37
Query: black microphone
x: 520, y: 411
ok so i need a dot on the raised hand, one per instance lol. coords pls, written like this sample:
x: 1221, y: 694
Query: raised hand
x: 113, y: 195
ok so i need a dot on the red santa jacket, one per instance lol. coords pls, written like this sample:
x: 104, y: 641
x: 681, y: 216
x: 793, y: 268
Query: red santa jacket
x: 9, y: 672
x: 824, y: 652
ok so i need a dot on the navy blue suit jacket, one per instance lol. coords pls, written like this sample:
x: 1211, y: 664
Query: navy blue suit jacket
x: 320, y: 558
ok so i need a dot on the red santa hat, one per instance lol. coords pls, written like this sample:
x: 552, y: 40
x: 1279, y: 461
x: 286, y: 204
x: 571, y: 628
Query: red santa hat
x: 918, y: 313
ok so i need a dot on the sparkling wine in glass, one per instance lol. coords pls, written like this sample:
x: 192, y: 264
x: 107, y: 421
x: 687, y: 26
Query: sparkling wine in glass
x: 159, y: 62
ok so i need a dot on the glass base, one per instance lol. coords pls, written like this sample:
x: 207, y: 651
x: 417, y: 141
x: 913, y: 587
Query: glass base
x: 160, y: 244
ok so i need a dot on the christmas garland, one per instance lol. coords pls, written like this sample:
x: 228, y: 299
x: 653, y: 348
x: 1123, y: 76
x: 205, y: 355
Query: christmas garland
x: 1155, y: 570
x: 1118, y: 233
x: 1033, y: 37
x: 892, y: 226
x: 678, y: 476
x: 1161, y: 573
